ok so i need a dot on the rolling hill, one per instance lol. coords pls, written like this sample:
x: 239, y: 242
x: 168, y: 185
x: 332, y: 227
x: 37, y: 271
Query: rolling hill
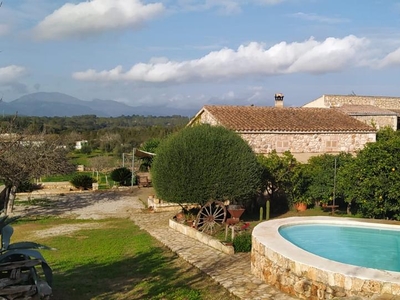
x: 58, y: 104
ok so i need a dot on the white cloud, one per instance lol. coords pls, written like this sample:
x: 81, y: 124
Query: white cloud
x: 95, y: 17
x: 224, y: 6
x: 319, y: 18
x: 392, y: 59
x: 11, y: 73
x: 310, y: 56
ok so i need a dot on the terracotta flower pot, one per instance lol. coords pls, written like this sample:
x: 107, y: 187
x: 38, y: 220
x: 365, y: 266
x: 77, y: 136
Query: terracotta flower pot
x: 180, y: 217
x: 300, y: 206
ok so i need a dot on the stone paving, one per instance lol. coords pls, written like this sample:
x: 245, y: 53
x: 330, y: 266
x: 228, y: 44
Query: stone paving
x: 231, y: 271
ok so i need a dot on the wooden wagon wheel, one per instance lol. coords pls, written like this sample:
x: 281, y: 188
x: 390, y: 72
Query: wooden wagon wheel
x: 211, y: 217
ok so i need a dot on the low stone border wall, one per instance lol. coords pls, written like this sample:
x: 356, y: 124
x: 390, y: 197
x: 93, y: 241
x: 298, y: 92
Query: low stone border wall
x: 202, y: 237
x: 159, y: 205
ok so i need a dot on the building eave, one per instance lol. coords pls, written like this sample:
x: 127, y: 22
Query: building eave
x: 304, y: 132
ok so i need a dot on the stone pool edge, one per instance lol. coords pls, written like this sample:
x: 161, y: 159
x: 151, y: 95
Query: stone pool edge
x: 305, y: 275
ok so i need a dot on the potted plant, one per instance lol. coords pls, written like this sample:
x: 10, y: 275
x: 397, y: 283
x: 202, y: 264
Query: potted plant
x: 180, y: 217
x: 190, y: 219
x: 300, y: 206
x: 301, y: 203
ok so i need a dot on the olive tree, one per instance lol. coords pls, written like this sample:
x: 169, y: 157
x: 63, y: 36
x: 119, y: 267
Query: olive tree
x: 101, y: 164
x: 203, y: 163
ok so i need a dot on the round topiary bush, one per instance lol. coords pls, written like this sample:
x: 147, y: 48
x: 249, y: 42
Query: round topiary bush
x: 204, y: 163
x: 122, y: 175
x: 82, y: 181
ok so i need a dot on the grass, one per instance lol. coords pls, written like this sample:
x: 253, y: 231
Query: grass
x: 116, y: 260
x: 61, y: 178
x: 101, y: 178
x: 84, y: 159
x: 43, y: 202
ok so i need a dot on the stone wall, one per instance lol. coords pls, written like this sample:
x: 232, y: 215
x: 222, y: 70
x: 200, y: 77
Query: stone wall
x: 379, y: 121
x: 305, y: 275
x: 202, y: 237
x: 306, y: 282
x: 316, y: 143
x: 207, y: 118
x: 382, y: 102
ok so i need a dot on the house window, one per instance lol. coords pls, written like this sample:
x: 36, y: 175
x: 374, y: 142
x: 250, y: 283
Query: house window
x: 331, y: 144
x: 282, y: 144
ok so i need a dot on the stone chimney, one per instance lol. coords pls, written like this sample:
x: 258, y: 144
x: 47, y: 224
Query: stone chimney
x: 279, y: 100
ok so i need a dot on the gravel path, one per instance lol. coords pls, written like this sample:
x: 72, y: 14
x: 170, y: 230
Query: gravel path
x: 83, y: 205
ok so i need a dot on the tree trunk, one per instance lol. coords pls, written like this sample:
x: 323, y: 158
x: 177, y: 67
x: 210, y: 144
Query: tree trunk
x: 10, y: 199
x: 6, y: 199
x: 349, y: 208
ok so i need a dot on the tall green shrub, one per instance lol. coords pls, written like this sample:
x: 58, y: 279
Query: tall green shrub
x: 205, y: 163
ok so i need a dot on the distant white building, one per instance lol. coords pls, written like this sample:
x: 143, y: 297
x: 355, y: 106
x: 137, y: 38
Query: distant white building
x: 79, y: 144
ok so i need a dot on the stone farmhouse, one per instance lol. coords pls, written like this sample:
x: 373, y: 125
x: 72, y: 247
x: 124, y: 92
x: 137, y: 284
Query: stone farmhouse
x: 377, y: 111
x: 305, y: 132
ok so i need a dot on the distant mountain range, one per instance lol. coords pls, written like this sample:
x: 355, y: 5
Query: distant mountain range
x: 44, y: 104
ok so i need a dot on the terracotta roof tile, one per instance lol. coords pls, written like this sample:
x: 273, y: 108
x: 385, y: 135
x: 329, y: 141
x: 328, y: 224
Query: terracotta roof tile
x: 396, y: 111
x: 289, y: 119
x: 365, y: 110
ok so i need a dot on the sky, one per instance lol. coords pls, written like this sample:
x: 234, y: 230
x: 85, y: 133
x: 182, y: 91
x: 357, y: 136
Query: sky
x: 185, y: 54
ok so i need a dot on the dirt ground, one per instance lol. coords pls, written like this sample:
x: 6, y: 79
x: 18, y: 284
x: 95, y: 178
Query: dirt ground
x: 89, y: 205
x: 84, y: 205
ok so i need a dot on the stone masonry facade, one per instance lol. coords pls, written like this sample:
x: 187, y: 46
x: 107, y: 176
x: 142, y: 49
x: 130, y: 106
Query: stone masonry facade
x: 307, y: 282
x: 317, y: 143
x: 300, y: 143
x: 206, y: 118
x: 379, y: 122
x: 382, y: 102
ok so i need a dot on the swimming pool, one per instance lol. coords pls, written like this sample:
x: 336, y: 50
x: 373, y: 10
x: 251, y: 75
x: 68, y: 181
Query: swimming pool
x: 311, y: 265
x: 360, y: 246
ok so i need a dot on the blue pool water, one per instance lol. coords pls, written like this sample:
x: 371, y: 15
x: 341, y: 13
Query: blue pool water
x: 365, y: 247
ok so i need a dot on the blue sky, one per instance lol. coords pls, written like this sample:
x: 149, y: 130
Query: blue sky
x: 188, y: 53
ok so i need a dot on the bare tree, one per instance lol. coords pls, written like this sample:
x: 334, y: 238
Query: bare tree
x: 23, y: 158
x: 101, y: 164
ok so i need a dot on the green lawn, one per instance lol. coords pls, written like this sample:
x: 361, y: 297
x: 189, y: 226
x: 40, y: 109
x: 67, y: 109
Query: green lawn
x: 116, y: 260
